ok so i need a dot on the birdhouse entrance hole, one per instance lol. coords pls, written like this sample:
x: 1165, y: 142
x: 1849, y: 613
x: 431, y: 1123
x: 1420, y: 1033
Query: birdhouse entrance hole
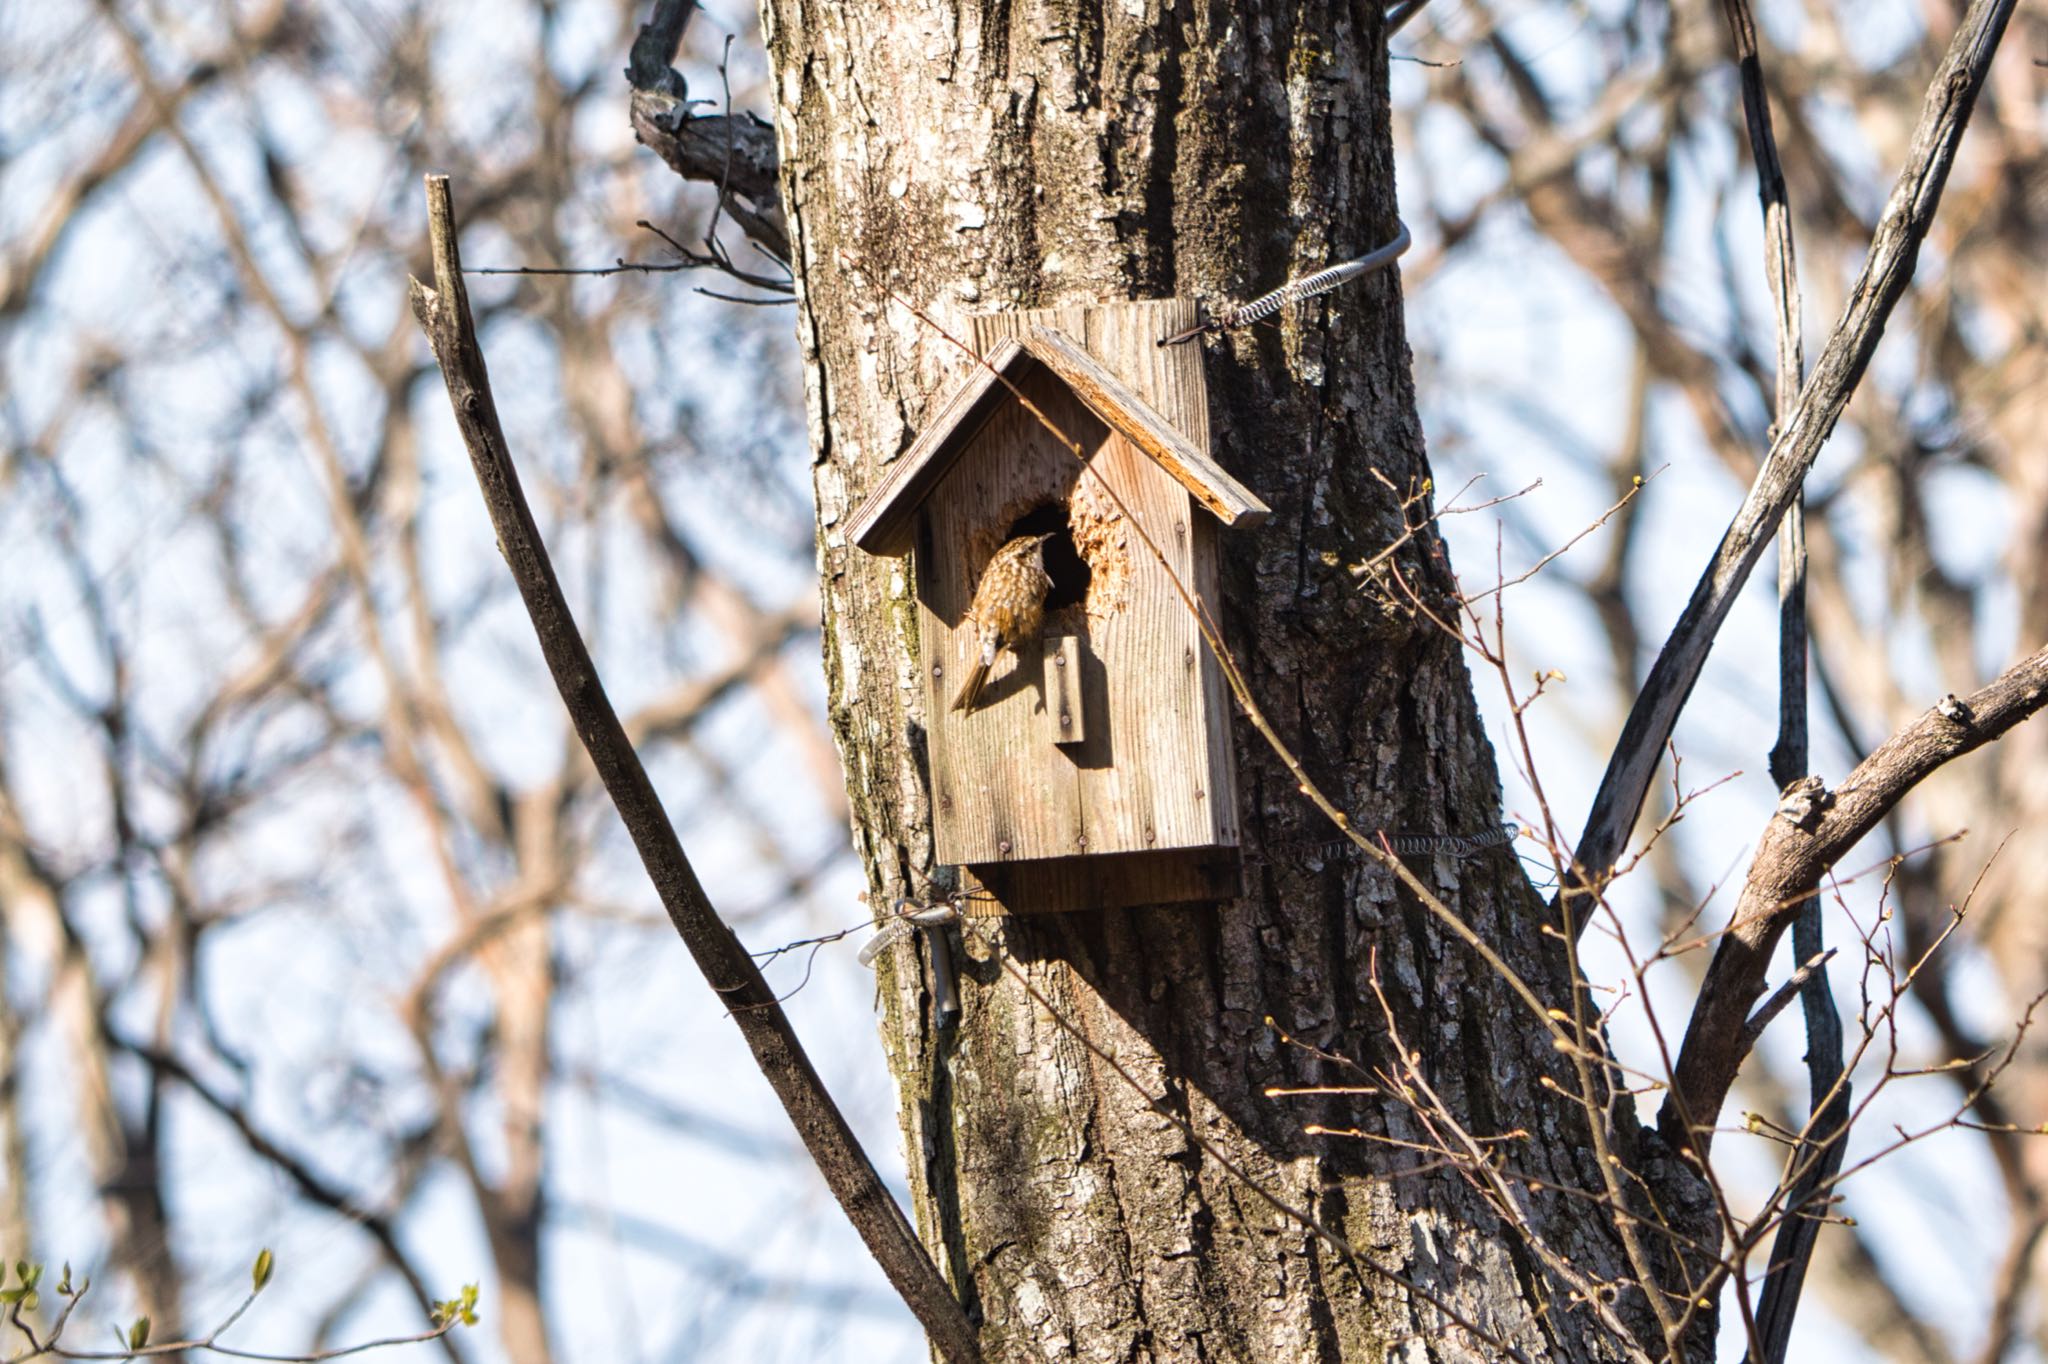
x: 1063, y: 563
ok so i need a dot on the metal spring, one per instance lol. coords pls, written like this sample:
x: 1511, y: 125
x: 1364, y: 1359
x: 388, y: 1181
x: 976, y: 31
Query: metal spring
x: 1457, y: 845
x: 1294, y: 291
x: 1428, y: 845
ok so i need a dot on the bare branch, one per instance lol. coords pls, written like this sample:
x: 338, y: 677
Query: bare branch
x: 735, y: 152
x: 1820, y: 1150
x: 1782, y: 996
x: 1894, y: 252
x: 1800, y: 843
x: 444, y: 314
x: 310, y: 1183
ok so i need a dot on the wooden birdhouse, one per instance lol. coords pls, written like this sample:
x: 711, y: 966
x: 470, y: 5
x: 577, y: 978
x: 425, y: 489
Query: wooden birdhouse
x: 1097, y: 769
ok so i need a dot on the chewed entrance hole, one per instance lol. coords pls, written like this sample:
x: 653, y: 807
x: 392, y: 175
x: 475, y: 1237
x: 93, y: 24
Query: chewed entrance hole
x: 1063, y: 564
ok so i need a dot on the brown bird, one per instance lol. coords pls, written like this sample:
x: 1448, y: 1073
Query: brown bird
x: 1008, y: 608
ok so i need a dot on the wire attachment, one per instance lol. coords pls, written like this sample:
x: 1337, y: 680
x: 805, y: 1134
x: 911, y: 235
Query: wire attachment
x: 1294, y: 291
x: 915, y: 917
x: 907, y: 917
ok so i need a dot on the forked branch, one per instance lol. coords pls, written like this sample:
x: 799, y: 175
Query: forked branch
x: 1894, y: 251
x: 1812, y: 830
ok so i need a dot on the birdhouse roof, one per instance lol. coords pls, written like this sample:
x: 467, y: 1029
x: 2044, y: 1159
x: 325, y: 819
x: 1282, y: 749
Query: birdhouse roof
x: 881, y: 525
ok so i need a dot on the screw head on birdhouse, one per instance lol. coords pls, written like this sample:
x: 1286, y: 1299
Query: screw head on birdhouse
x: 1095, y: 766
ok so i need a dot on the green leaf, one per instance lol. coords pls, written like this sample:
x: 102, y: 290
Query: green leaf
x: 64, y: 1284
x: 31, y: 1302
x: 138, y: 1334
x: 265, y: 1263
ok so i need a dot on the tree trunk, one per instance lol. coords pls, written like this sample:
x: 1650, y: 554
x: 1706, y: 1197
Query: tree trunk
x: 962, y: 158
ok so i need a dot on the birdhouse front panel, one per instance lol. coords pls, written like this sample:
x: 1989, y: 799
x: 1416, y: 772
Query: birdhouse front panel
x: 1107, y: 730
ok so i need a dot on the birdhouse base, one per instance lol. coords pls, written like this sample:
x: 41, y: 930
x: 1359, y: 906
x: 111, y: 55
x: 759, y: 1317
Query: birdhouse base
x: 1056, y: 885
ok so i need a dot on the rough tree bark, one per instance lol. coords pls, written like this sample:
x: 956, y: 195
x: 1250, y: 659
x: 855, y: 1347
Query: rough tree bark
x: 965, y: 157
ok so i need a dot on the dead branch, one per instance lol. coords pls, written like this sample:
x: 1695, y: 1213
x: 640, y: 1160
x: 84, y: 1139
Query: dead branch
x: 735, y: 152
x: 1820, y: 1150
x: 443, y: 312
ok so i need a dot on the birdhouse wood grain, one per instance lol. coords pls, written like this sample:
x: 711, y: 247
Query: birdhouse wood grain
x: 1096, y: 768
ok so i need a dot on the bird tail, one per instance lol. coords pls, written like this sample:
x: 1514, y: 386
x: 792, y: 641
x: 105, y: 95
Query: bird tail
x: 970, y: 690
